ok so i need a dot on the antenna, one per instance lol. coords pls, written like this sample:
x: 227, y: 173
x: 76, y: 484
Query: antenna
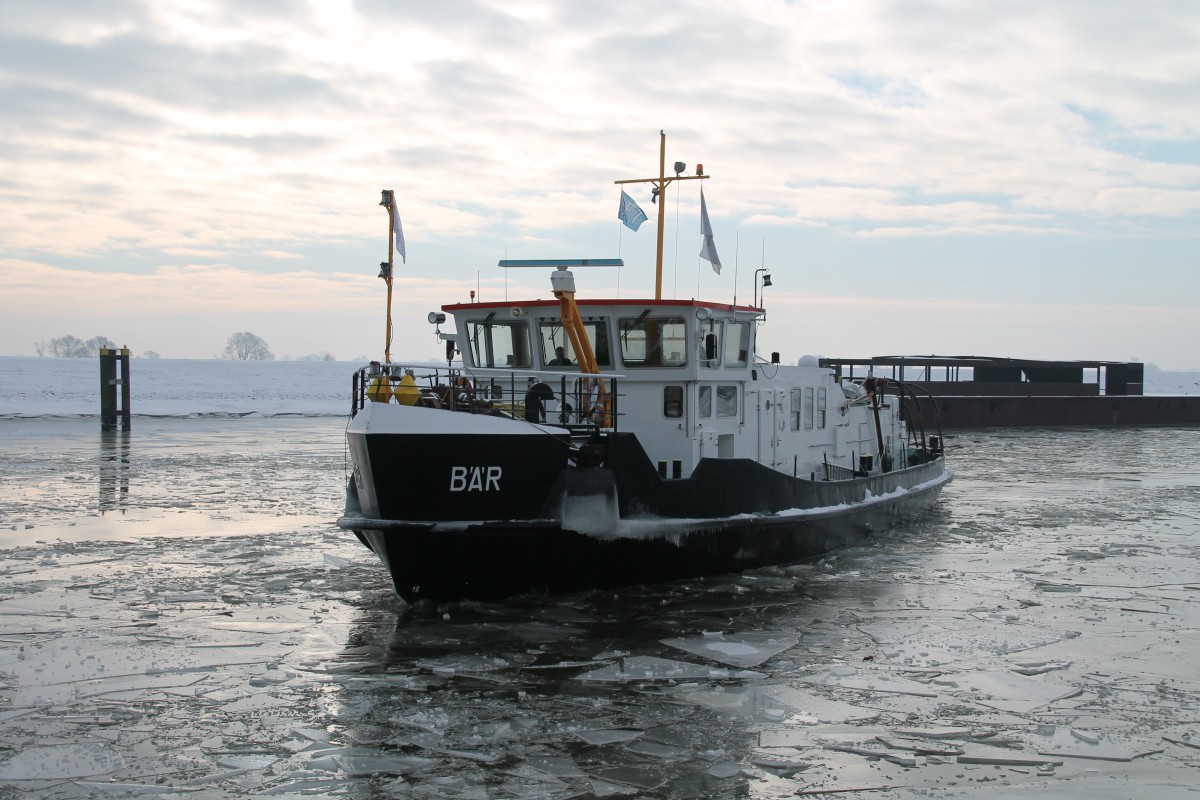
x: 737, y: 245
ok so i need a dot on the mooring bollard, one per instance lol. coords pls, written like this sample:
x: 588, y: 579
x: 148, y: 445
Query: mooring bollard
x: 114, y: 372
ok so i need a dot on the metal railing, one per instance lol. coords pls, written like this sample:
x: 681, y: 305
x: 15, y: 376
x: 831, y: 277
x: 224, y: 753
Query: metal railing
x: 924, y: 447
x: 836, y: 472
x: 567, y: 399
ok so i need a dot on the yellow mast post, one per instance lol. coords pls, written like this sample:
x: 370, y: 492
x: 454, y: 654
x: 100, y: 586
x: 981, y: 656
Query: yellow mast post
x: 389, y: 202
x: 380, y: 388
x: 660, y: 184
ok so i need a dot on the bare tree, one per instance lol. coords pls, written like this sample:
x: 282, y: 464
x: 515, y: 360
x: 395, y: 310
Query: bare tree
x: 73, y: 347
x: 94, y: 345
x: 245, y: 346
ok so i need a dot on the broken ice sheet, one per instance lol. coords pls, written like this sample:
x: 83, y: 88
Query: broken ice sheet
x: 606, y: 789
x: 667, y: 752
x: 754, y: 702
x: 876, y: 683
x: 652, y: 668
x: 1038, y: 667
x: 999, y: 756
x: 723, y: 769
x: 638, y: 777
x: 944, y: 732
x: 970, y: 637
x: 812, y: 708
x: 612, y: 736
x: 474, y: 664
x: 1076, y: 743
x: 433, y: 743
x: 1006, y: 691
x: 558, y: 766
x: 381, y: 763
x: 747, y: 649
x: 741, y: 701
x: 61, y: 761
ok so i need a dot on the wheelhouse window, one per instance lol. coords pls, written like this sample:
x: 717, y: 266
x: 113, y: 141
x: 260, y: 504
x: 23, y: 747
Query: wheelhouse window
x: 727, y: 401
x: 821, y: 408
x: 499, y: 344
x: 737, y: 344
x: 673, y: 402
x: 797, y: 400
x: 710, y: 344
x: 808, y: 409
x: 653, y: 341
x: 704, y: 402
x: 555, y: 336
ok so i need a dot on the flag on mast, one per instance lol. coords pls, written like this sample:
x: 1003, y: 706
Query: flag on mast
x: 399, y: 233
x: 630, y: 212
x: 708, y: 250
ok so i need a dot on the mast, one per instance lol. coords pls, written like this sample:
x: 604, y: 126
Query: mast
x: 660, y: 195
x: 385, y: 270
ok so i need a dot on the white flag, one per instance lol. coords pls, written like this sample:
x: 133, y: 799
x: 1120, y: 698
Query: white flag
x: 708, y: 250
x: 399, y: 232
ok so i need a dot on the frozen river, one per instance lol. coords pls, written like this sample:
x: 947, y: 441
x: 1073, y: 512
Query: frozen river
x: 180, y: 617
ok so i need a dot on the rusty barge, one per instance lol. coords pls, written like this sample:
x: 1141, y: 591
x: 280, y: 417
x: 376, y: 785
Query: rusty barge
x: 986, y: 392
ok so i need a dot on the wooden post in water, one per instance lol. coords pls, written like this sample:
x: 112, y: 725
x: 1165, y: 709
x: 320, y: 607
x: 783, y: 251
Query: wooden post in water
x: 114, y: 373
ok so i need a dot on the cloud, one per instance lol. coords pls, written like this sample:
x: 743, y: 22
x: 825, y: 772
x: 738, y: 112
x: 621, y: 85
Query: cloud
x: 138, y: 134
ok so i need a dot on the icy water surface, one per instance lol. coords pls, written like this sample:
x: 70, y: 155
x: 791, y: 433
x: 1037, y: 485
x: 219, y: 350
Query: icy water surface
x: 179, y: 617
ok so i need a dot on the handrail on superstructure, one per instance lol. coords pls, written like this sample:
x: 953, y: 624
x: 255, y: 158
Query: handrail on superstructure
x: 479, y: 391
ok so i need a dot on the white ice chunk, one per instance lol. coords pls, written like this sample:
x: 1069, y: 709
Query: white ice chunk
x: 738, y: 650
x: 324, y: 787
x: 606, y: 789
x: 876, y: 751
x: 256, y: 626
x: 724, y: 769
x: 432, y: 743
x: 600, y: 737
x: 1075, y: 743
x: 984, y: 754
x: 639, y: 777
x: 132, y: 789
x: 1038, y: 667
x: 935, y: 733
x: 816, y: 708
x: 558, y: 766
x: 1008, y: 692
x: 381, y: 763
x: 668, y: 752
x: 884, y: 684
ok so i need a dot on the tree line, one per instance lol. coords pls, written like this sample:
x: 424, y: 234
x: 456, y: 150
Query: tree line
x: 73, y: 347
x: 240, y: 346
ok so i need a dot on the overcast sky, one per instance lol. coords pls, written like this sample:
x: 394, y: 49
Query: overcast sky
x: 991, y: 178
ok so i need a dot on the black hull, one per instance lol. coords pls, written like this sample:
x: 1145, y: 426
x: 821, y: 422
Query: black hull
x: 494, y: 560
